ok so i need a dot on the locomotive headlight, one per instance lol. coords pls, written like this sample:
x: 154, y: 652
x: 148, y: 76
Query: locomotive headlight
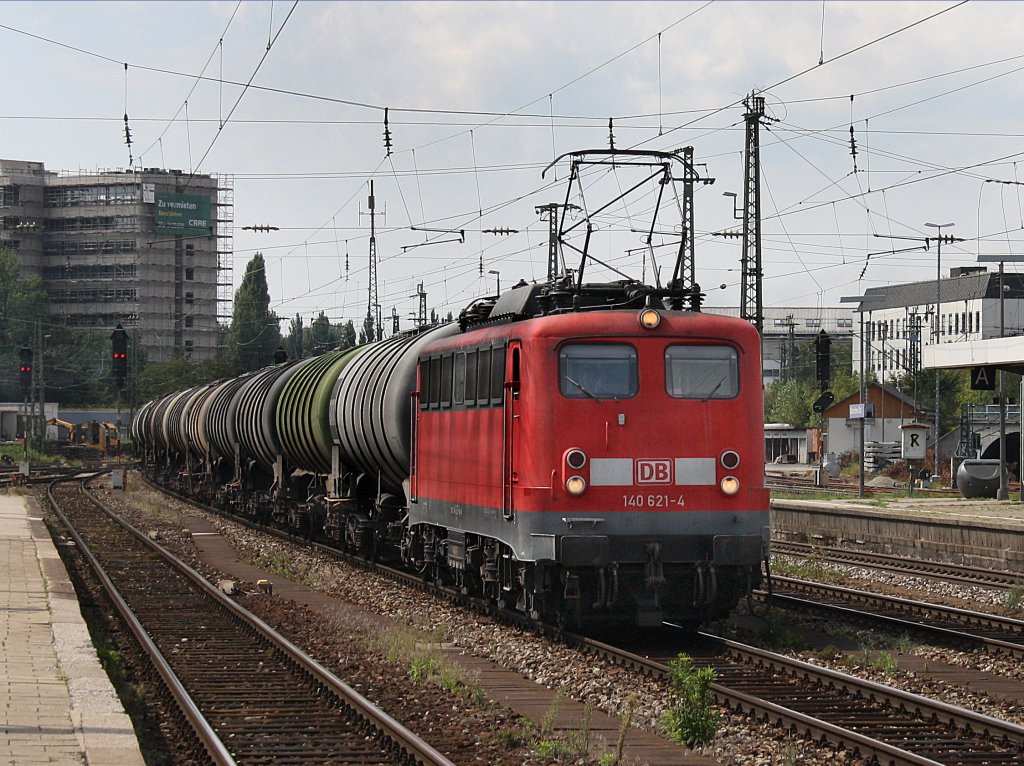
x: 649, y: 318
x: 575, y: 485
x: 575, y: 459
x: 730, y: 485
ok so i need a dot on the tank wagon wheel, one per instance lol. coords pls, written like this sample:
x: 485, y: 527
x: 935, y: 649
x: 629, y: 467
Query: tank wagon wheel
x: 350, y: 537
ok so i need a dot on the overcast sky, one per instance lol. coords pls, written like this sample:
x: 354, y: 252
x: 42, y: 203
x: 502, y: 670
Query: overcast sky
x: 483, y: 95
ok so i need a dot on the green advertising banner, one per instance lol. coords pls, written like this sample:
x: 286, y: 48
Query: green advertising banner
x: 187, y: 214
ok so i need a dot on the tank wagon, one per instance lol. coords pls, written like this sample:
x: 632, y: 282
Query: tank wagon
x: 583, y: 453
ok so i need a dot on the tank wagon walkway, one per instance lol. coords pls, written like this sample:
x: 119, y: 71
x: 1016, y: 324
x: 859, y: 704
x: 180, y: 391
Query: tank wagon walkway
x: 58, y: 707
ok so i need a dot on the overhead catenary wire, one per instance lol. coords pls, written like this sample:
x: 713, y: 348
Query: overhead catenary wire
x: 478, y: 170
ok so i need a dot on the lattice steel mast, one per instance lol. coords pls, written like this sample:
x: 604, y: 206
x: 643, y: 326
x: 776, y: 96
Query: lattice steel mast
x: 750, y: 288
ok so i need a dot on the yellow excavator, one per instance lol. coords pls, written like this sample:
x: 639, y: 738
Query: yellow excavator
x: 101, y: 436
x: 68, y: 437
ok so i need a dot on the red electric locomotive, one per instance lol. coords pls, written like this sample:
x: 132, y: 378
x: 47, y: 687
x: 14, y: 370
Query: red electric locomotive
x: 592, y: 465
x: 584, y: 452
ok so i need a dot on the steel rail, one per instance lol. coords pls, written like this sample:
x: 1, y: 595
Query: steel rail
x: 203, y: 729
x: 905, y: 613
x: 992, y: 578
x: 886, y: 753
x: 413, y: 746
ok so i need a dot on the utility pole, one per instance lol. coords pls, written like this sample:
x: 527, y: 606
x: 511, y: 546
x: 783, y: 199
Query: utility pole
x: 750, y: 288
x: 41, y: 384
x: 549, y: 213
x: 372, y: 315
x: 688, y: 261
x: 790, y: 347
x: 421, y: 317
x: 684, y: 279
x: 939, y: 239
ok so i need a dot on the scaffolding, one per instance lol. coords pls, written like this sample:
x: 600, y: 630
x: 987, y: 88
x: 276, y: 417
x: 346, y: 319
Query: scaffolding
x: 225, y: 245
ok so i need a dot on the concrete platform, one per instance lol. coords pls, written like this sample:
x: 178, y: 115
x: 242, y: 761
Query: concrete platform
x: 57, y: 705
x: 982, y: 533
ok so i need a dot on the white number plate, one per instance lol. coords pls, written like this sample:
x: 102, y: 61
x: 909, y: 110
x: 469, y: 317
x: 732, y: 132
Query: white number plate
x: 652, y: 501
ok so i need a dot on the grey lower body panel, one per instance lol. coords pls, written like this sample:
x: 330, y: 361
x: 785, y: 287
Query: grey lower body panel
x: 599, y: 538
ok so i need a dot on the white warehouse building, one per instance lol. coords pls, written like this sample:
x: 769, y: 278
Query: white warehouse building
x: 902, y: 320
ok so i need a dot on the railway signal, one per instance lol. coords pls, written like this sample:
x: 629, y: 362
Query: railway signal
x: 823, y: 360
x: 119, y: 345
x: 25, y: 369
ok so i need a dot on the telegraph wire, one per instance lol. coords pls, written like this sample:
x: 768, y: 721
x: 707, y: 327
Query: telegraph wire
x: 198, y: 79
x: 255, y: 71
x: 801, y: 73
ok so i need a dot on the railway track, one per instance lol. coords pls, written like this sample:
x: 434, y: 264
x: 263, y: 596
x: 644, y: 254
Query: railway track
x: 992, y: 632
x: 779, y: 483
x: 881, y: 724
x: 884, y: 725
x: 12, y: 476
x: 958, y: 573
x: 250, y: 695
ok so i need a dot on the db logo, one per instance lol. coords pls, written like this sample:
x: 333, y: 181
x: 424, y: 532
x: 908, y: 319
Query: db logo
x: 653, y: 472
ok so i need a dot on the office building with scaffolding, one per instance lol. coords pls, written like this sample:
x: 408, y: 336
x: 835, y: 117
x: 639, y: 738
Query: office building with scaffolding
x: 150, y: 249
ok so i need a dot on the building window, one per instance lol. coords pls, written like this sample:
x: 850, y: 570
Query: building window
x: 189, y: 298
x: 188, y: 321
x: 813, y: 323
x: 10, y: 195
x: 844, y: 322
x: 190, y: 273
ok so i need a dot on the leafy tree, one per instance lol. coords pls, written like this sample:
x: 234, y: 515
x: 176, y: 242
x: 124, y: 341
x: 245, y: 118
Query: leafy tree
x: 76, y: 367
x: 322, y: 336
x: 254, y: 332
x: 22, y: 302
x: 789, y: 401
x: 368, y: 334
x: 293, y: 344
x: 158, y: 378
x: 348, y: 337
x: 954, y: 392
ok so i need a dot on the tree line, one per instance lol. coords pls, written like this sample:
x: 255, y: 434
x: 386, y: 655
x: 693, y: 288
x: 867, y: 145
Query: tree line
x: 77, y: 370
x: 75, y: 365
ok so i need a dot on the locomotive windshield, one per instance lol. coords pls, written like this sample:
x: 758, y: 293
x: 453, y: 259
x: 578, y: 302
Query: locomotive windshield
x: 598, y: 371
x: 701, y: 372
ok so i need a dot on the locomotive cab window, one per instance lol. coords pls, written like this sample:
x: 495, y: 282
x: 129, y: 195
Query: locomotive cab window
x: 598, y: 371
x: 701, y: 372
